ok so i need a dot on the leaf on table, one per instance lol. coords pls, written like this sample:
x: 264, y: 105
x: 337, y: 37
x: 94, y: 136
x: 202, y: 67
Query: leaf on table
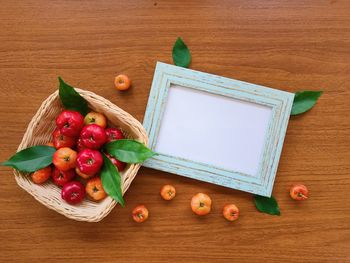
x: 32, y: 158
x: 111, y: 180
x: 71, y: 99
x: 304, y: 101
x: 267, y: 205
x: 181, y: 54
x: 129, y: 151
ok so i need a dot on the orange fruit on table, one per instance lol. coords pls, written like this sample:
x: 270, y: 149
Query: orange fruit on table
x: 230, y: 212
x: 299, y: 192
x: 122, y: 82
x: 140, y: 213
x: 201, y: 204
x: 168, y: 192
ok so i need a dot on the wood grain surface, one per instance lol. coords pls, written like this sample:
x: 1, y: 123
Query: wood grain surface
x: 289, y: 45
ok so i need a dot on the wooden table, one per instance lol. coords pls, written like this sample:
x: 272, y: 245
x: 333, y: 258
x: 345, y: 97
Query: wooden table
x: 289, y: 45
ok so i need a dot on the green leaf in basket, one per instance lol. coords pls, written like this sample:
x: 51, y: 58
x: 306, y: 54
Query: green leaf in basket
x: 129, y: 151
x: 111, y: 180
x: 181, y: 54
x: 304, y: 101
x: 71, y: 99
x: 32, y: 158
x: 267, y: 205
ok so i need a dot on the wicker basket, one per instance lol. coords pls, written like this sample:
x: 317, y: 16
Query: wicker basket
x: 40, y: 130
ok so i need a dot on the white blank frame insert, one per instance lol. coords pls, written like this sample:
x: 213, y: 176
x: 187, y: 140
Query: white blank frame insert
x: 216, y: 129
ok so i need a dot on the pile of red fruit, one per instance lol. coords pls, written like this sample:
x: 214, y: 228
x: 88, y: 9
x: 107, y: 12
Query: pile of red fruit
x: 79, y: 141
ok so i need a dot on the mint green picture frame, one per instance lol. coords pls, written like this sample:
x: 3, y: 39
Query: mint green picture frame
x: 280, y: 102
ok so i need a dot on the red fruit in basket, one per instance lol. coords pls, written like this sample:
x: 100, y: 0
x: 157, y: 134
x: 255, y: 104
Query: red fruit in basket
x: 73, y: 192
x: 89, y: 162
x: 140, y: 213
x: 70, y: 122
x: 93, y: 136
x: 95, y: 189
x: 60, y: 178
x: 299, y: 192
x: 114, y: 134
x: 64, y: 159
x: 119, y: 164
x: 42, y: 175
x: 95, y: 118
x: 80, y: 145
x: 230, y: 212
x: 60, y: 140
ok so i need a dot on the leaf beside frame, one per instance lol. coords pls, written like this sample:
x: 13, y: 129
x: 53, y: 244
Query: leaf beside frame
x: 304, y: 101
x: 267, y: 205
x: 129, y: 151
x: 181, y: 54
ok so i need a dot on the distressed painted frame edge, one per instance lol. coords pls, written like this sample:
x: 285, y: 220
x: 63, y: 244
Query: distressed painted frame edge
x: 280, y: 101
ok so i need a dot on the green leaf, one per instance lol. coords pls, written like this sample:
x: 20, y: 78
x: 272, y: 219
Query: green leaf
x: 181, y: 54
x: 111, y: 180
x: 129, y: 151
x: 267, y: 205
x: 304, y: 101
x: 72, y: 99
x: 32, y: 158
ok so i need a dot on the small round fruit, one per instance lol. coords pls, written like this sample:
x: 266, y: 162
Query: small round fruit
x: 64, y: 159
x: 140, y: 213
x: 122, y: 82
x: 299, y: 192
x: 73, y: 192
x: 168, y: 192
x: 118, y: 164
x: 70, y: 122
x: 93, y: 136
x: 42, y: 175
x: 95, y: 189
x: 60, y: 178
x: 201, y: 204
x: 114, y: 134
x: 95, y: 118
x: 60, y: 140
x: 230, y: 212
x: 89, y: 162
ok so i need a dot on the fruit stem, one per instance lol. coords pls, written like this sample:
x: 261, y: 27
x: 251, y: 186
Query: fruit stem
x: 301, y: 195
